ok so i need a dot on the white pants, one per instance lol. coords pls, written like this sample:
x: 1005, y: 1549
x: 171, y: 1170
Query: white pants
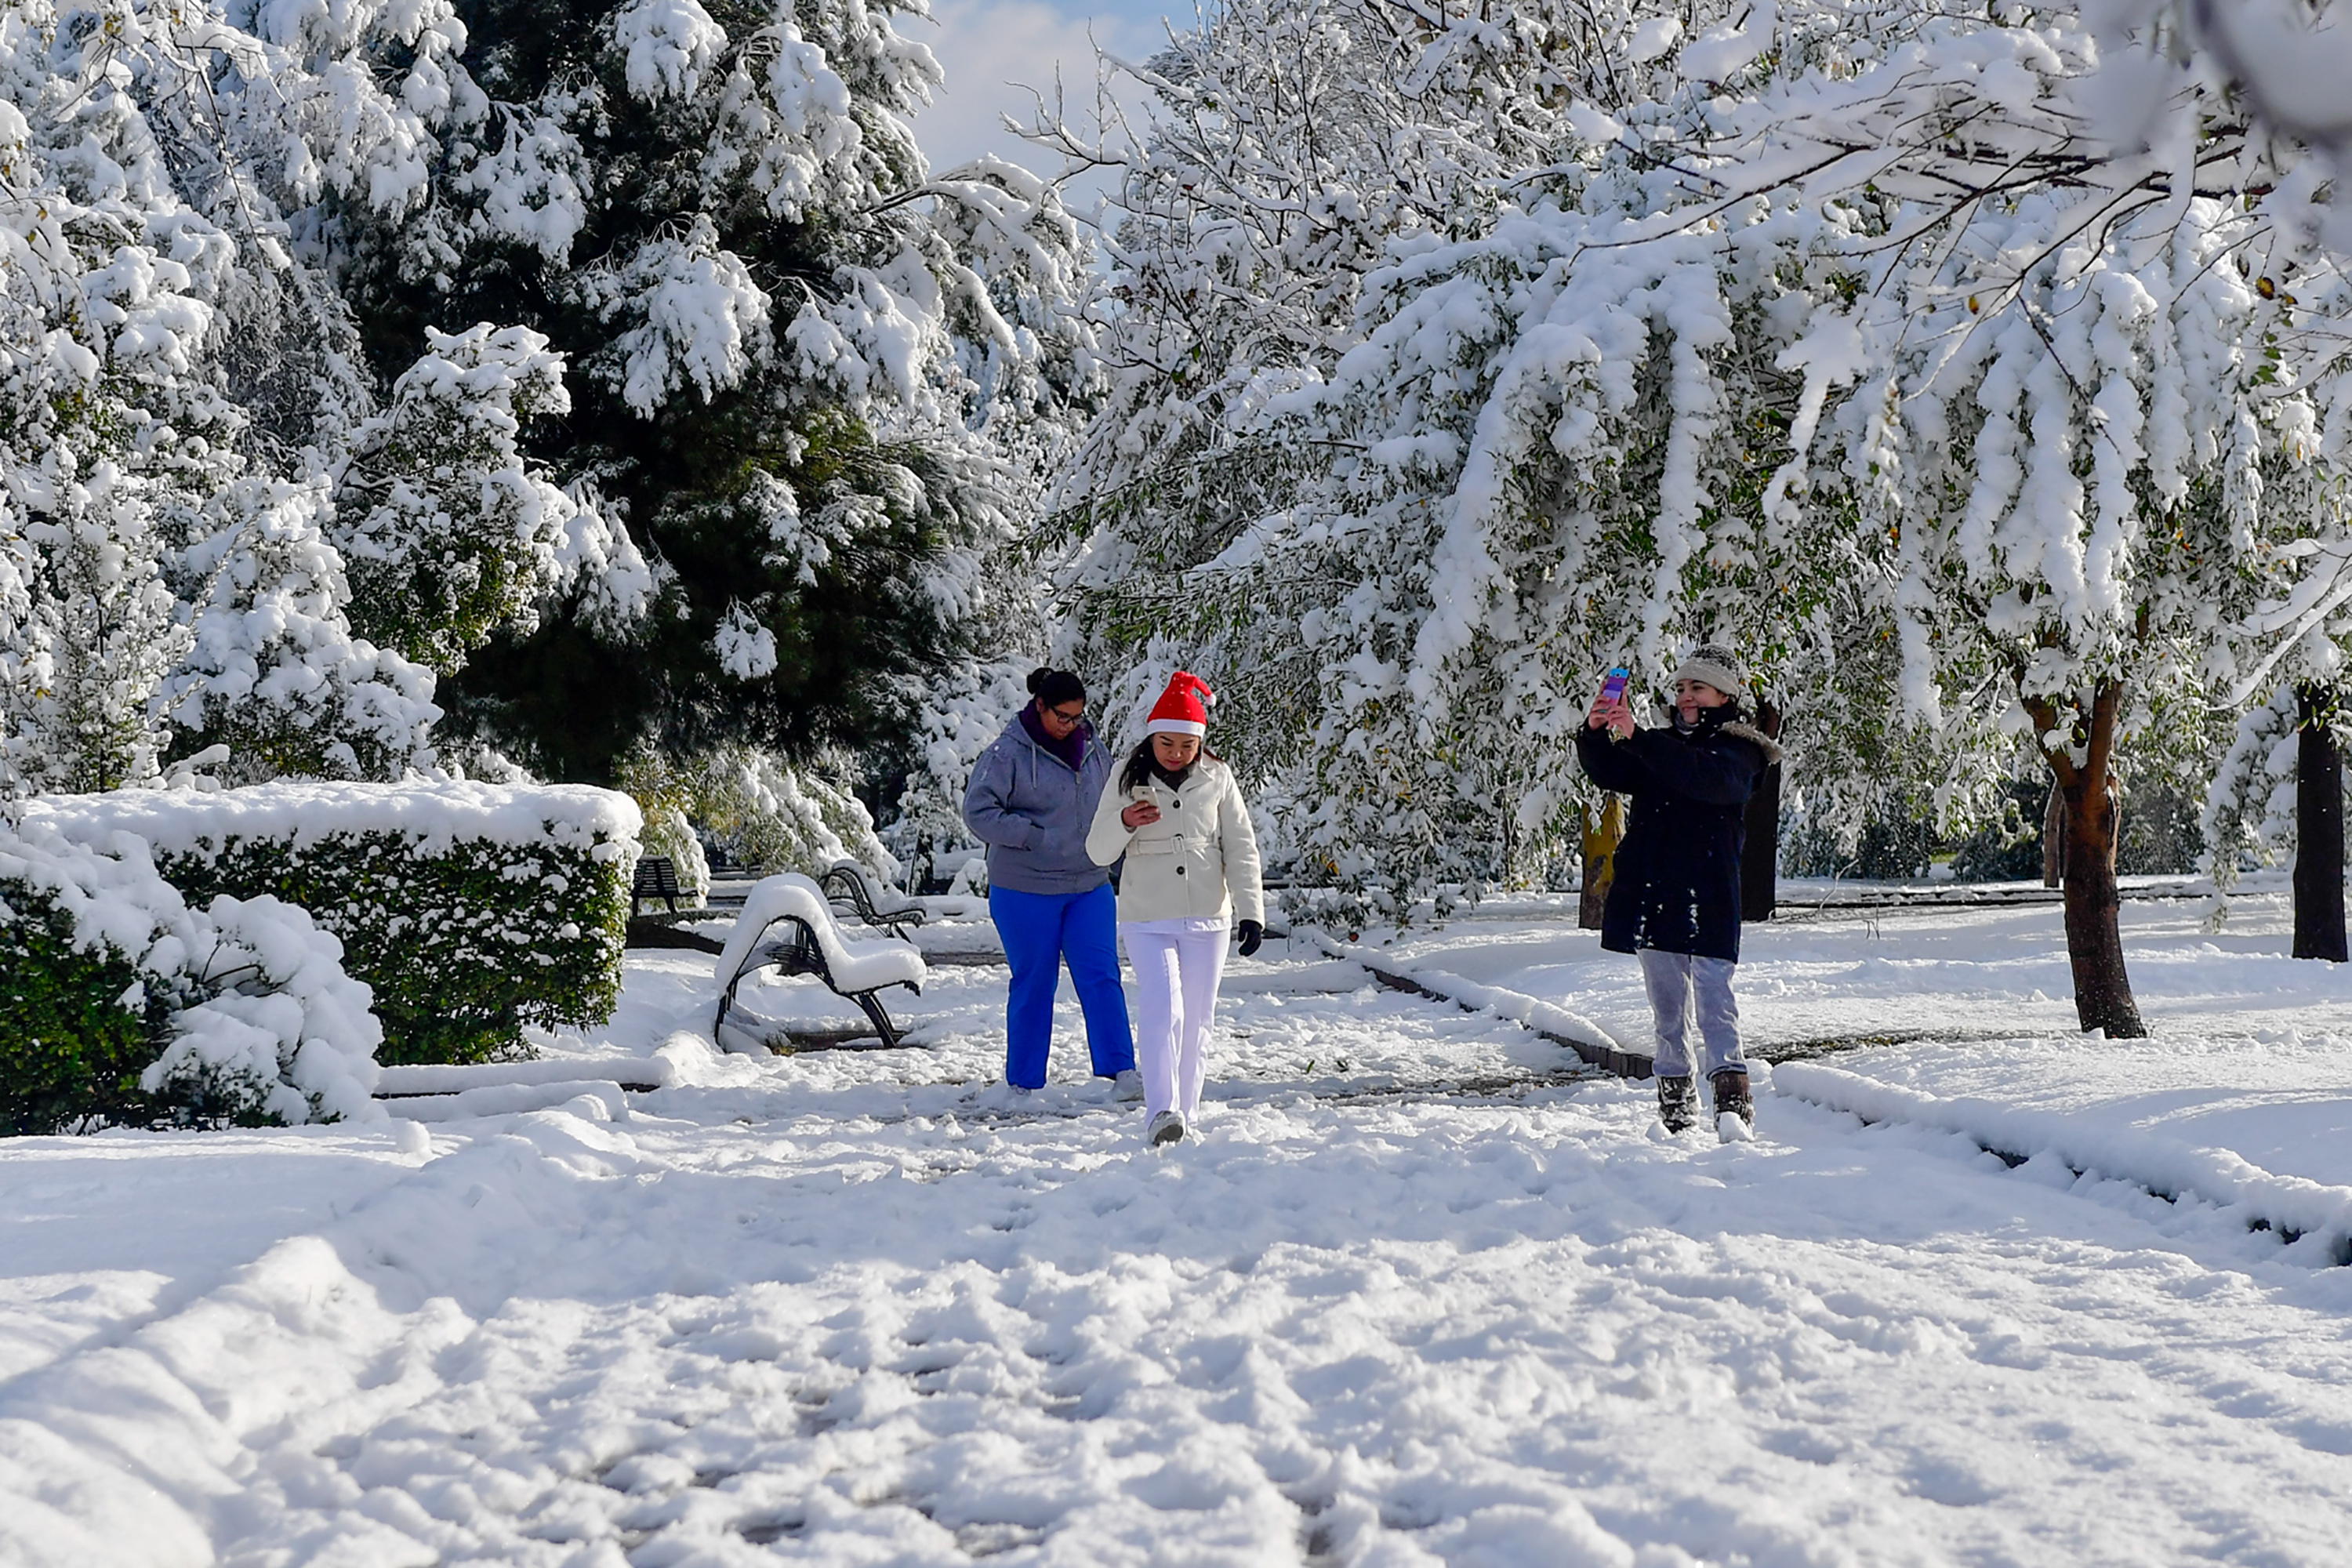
x: 1176, y: 979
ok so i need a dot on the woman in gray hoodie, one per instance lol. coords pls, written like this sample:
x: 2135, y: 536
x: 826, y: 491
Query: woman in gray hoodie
x: 1031, y: 800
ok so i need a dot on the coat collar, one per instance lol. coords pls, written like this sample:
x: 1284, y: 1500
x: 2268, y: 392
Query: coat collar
x: 1727, y: 722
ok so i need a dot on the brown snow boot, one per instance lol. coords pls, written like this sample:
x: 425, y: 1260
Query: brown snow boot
x: 1678, y: 1103
x: 1731, y: 1094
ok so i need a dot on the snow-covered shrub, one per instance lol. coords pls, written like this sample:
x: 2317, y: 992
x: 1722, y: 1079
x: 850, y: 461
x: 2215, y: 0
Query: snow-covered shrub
x: 272, y: 670
x: 470, y: 909
x: 775, y: 817
x: 118, y: 1003
x: 667, y: 832
x: 664, y: 796
x: 958, y: 714
x: 770, y: 815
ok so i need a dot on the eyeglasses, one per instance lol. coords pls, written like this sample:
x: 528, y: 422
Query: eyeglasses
x: 1067, y: 716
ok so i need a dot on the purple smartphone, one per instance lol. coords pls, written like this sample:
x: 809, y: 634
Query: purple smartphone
x: 1613, y: 685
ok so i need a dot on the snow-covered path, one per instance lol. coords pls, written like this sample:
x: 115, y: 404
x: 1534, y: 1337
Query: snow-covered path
x: 845, y: 1309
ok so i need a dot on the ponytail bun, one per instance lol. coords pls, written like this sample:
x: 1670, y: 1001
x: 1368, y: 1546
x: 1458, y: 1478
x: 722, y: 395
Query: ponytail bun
x: 1052, y: 688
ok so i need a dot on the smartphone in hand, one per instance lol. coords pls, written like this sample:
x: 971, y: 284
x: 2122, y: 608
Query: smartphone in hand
x: 1613, y: 685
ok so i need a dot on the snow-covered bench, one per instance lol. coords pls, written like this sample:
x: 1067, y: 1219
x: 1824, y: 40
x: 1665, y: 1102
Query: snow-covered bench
x: 807, y: 940
x: 846, y: 884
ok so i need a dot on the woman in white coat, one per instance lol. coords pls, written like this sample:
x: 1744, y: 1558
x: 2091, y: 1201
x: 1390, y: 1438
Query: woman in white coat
x: 1192, y: 876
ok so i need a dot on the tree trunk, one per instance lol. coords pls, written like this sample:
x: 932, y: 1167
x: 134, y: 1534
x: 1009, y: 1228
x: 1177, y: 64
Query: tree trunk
x: 2095, y: 942
x: 1601, y: 837
x: 2053, y: 839
x: 1759, y: 861
x: 2318, y: 828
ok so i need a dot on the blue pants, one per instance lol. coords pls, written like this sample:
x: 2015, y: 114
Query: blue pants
x: 1041, y: 931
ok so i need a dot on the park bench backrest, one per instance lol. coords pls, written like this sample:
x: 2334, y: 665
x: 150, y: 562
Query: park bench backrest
x: 846, y: 883
x: 656, y: 878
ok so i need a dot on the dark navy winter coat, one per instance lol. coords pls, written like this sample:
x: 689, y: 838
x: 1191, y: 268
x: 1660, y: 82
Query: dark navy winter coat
x: 1676, y: 883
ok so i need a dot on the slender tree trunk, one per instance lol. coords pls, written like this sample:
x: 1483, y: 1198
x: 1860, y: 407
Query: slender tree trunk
x: 2318, y: 828
x: 1601, y: 836
x: 2095, y: 942
x: 1759, y: 861
x: 2053, y: 839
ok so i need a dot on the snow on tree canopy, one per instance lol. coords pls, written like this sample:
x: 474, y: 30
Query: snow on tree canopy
x: 817, y: 380
x: 181, y: 376
x: 450, y: 533
x: 1852, y: 345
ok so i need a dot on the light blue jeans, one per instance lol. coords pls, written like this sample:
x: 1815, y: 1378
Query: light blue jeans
x: 1679, y: 984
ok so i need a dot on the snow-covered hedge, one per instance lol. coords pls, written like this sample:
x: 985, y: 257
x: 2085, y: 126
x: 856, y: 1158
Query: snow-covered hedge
x: 121, y: 1004
x: 470, y: 909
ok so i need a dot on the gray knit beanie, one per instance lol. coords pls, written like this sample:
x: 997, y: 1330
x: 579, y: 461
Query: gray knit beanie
x: 1718, y: 666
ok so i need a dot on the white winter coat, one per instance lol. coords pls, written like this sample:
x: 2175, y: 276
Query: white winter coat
x: 1198, y: 861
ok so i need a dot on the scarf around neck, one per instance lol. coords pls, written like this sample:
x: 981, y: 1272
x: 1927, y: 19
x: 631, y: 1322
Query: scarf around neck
x: 1071, y: 748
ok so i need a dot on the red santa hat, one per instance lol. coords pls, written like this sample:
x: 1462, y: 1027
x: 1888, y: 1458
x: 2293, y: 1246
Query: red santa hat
x: 1183, y: 708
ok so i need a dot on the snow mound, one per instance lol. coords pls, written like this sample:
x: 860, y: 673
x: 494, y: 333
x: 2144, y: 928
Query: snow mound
x: 856, y: 966
x: 2314, y: 1217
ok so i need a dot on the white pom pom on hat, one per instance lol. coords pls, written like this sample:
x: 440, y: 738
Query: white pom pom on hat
x: 1184, y: 706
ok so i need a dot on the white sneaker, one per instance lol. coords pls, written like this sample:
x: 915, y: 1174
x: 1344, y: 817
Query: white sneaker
x: 1165, y: 1128
x: 1126, y: 1086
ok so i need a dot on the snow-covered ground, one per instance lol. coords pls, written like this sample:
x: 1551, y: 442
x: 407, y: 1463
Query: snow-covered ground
x: 1423, y: 1292
x: 1839, y: 977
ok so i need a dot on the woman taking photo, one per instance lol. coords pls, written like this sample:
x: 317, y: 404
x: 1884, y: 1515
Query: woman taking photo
x: 1674, y: 897
x: 1032, y: 794
x: 1192, y: 875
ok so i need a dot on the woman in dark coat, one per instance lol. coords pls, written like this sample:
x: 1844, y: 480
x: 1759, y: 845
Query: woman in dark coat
x: 1675, y: 895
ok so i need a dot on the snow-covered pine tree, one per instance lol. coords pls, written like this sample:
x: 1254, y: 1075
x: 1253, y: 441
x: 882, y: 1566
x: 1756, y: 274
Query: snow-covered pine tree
x: 163, y: 349
x: 793, y: 353
x: 272, y: 670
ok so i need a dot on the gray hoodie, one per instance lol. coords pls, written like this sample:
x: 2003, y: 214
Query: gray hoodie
x: 1032, y: 812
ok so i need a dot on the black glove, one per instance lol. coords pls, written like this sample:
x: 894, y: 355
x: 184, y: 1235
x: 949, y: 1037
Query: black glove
x: 1253, y: 936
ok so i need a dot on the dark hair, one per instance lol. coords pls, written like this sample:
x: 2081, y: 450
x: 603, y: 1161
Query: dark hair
x: 1141, y: 763
x: 1052, y: 687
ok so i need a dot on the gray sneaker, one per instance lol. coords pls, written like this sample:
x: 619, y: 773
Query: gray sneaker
x: 1167, y: 1127
x: 1126, y: 1086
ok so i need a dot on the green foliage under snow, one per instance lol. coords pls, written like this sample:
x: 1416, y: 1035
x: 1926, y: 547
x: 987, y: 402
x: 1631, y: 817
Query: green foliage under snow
x: 471, y: 911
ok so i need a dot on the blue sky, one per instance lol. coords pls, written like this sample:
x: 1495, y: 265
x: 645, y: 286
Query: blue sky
x: 992, y: 50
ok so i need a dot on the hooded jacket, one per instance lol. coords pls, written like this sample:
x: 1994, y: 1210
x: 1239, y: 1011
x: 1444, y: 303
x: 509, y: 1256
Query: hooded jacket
x: 1676, y: 882
x: 1199, y: 861
x: 1031, y: 809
